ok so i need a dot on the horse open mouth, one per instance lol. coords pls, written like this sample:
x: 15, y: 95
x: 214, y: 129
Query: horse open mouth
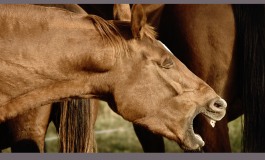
x: 215, y: 111
x: 192, y: 141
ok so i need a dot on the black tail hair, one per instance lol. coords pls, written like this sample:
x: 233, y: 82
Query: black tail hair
x: 250, y: 48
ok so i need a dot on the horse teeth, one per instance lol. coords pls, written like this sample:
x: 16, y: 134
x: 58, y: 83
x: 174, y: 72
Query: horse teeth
x: 212, y: 123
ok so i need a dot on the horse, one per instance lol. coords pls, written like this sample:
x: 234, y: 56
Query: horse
x: 224, y: 46
x: 100, y: 59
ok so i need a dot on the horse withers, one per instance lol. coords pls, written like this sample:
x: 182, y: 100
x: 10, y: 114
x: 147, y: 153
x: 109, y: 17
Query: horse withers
x: 119, y: 62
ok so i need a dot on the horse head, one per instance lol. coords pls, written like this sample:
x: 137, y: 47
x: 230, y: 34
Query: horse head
x: 159, y: 92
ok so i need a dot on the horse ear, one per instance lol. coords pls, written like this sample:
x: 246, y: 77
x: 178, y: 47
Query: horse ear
x: 122, y: 12
x: 138, y: 21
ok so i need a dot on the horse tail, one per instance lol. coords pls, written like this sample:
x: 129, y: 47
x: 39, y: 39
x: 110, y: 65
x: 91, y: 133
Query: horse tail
x: 250, y: 48
x: 76, y: 124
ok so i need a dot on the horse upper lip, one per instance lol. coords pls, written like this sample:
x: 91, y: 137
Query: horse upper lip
x: 209, y: 118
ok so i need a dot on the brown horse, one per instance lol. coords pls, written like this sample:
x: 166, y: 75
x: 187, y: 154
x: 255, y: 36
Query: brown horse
x: 223, y: 45
x: 100, y: 59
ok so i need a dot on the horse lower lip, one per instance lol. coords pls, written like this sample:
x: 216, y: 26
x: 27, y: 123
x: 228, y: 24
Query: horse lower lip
x: 198, y: 142
x: 199, y: 139
x: 195, y: 145
x: 194, y: 141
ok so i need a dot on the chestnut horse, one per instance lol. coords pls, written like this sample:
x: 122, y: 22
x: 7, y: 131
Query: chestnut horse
x: 102, y: 59
x: 223, y: 45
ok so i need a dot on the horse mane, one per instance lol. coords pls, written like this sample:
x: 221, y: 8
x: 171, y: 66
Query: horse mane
x: 149, y: 32
x: 250, y: 48
x: 111, y: 31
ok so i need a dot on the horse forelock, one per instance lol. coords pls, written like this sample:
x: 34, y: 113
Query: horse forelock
x: 110, y: 31
x: 149, y: 32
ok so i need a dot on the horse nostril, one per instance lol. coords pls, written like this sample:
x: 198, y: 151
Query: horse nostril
x: 220, y: 103
x: 216, y: 110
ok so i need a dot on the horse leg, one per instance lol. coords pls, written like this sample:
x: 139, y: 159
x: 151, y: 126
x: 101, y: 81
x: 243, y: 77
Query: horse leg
x: 5, y: 137
x: 150, y: 142
x: 28, y: 130
x: 94, y: 104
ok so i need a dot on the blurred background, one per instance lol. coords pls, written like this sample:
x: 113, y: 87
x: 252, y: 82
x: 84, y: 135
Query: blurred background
x: 114, y: 134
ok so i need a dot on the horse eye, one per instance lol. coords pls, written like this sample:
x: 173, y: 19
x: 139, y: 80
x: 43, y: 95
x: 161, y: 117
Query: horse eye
x: 167, y: 63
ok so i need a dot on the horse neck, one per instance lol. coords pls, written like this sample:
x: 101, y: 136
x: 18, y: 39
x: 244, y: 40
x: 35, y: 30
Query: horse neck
x: 40, y: 46
x: 42, y: 33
